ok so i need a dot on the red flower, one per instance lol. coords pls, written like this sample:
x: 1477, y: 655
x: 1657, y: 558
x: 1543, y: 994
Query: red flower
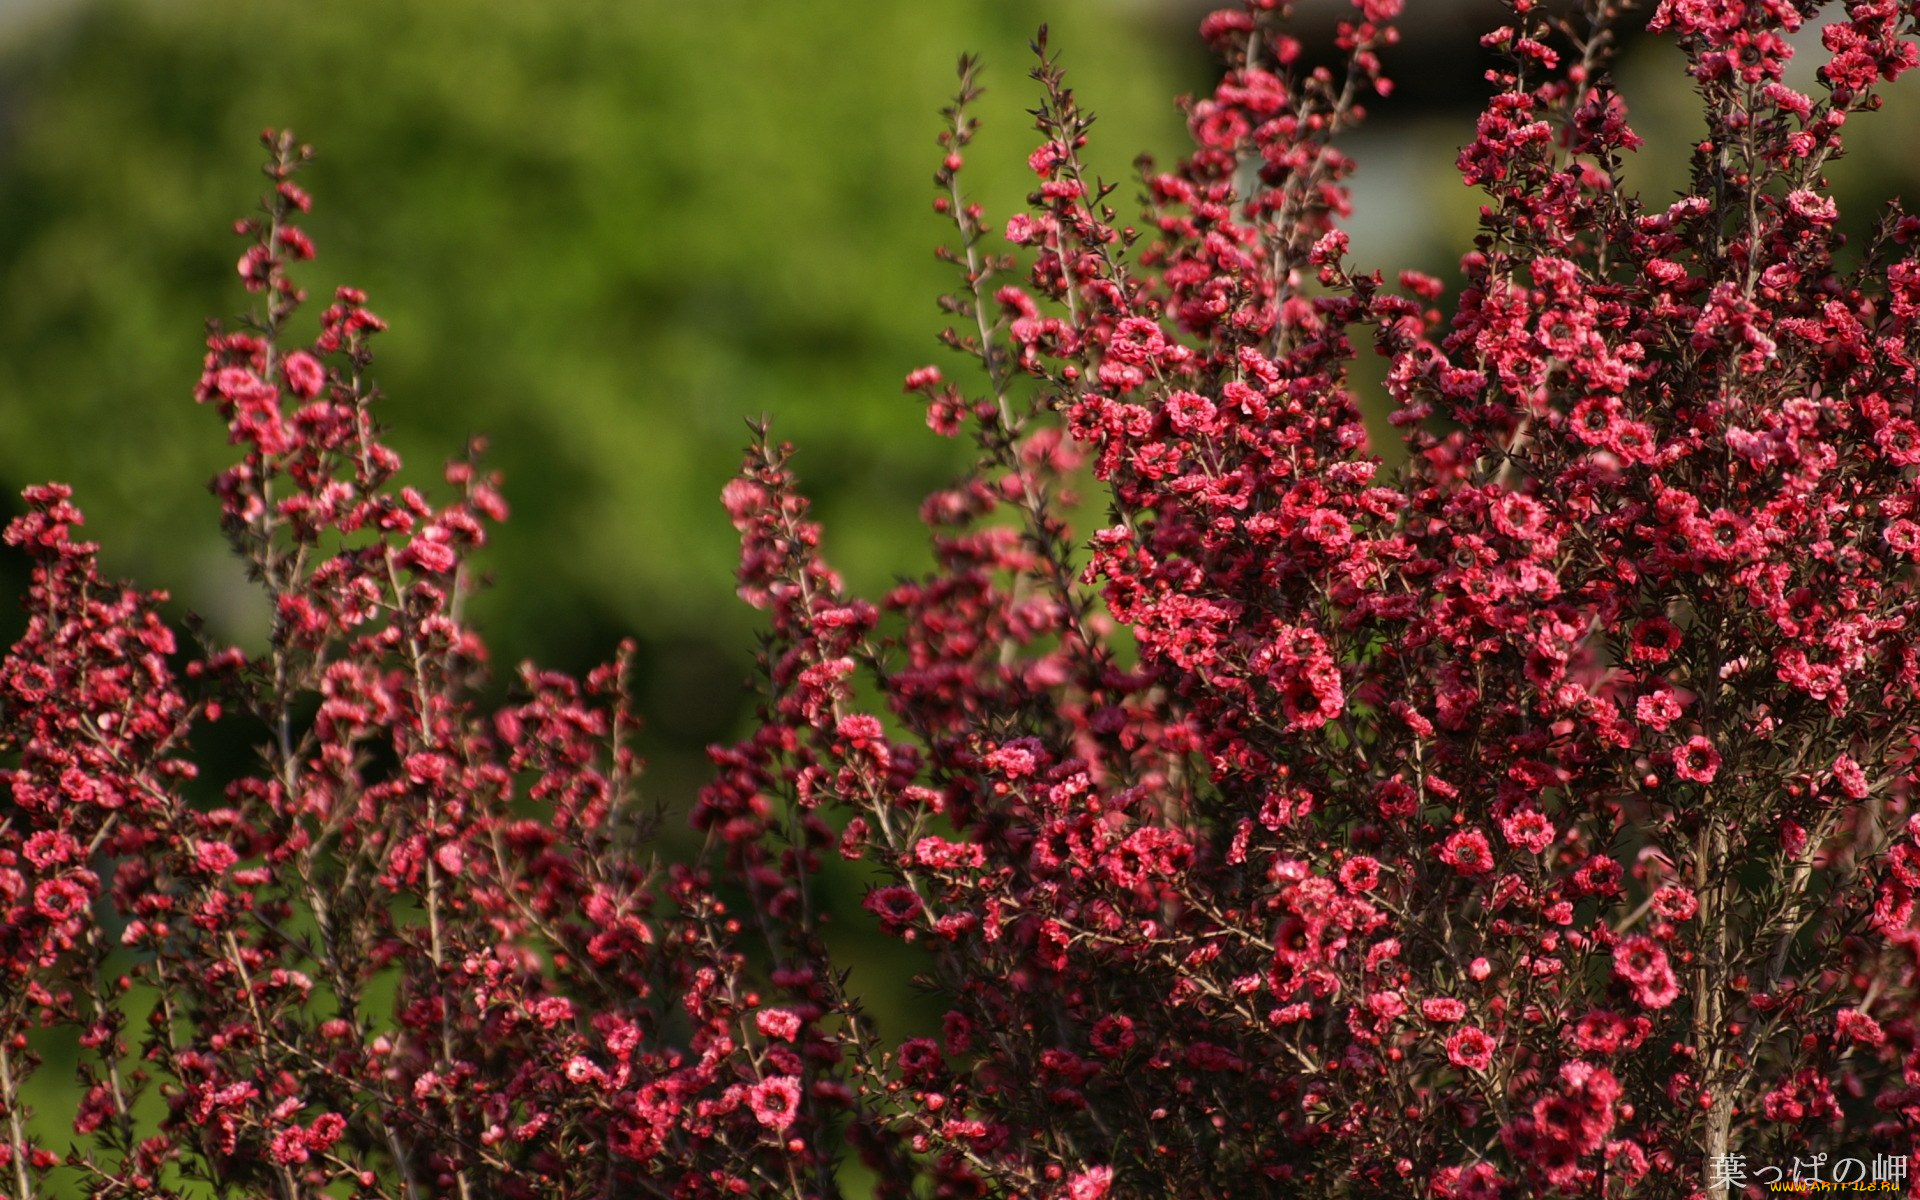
x: 1654, y: 640
x: 60, y: 900
x: 1657, y: 709
x: 1470, y: 1048
x: 896, y: 905
x: 1853, y: 1025
x: 1852, y: 780
x: 1697, y: 760
x: 777, y: 1023
x: 1467, y: 852
x: 1360, y: 874
x: 1601, y: 1032
x: 1527, y: 829
x: 775, y: 1101
x: 1443, y: 1010
x: 1112, y: 1035
x: 1642, y: 964
x: 305, y: 375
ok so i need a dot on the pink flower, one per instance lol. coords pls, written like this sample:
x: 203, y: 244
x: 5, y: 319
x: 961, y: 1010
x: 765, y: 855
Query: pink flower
x: 780, y: 1023
x: 213, y: 857
x: 1853, y: 1025
x: 326, y: 1129
x: 1467, y: 852
x: 1602, y: 1032
x: 50, y: 848
x: 1642, y: 964
x: 1112, y: 1035
x: 1385, y: 1006
x: 1360, y: 873
x: 1654, y: 640
x: 429, y: 554
x: 941, y: 854
x: 1852, y: 780
x: 60, y: 900
x: 1443, y: 1010
x: 895, y: 905
x: 775, y: 1101
x: 305, y: 375
x: 1470, y: 1048
x: 1527, y: 829
x: 1902, y: 536
x: 1812, y: 207
x: 1637, y: 957
x: 289, y: 1147
x: 1657, y: 709
x: 1518, y: 516
x: 1697, y: 760
x: 1675, y: 903
x: 919, y: 1060
x: 1188, y: 411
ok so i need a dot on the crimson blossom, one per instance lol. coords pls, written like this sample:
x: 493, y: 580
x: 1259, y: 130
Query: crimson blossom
x: 1534, y: 817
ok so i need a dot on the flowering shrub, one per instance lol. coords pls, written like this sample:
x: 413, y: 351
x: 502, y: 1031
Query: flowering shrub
x: 1533, y: 819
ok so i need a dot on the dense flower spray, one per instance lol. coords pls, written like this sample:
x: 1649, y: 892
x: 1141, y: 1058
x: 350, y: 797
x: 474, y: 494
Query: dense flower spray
x: 1535, y: 818
x: 421, y: 949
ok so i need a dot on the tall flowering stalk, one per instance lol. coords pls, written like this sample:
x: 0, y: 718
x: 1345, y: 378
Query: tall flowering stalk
x: 421, y: 949
x: 1534, y: 818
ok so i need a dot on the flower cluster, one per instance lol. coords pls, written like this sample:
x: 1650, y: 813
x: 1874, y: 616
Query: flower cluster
x: 420, y: 948
x: 1533, y: 817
